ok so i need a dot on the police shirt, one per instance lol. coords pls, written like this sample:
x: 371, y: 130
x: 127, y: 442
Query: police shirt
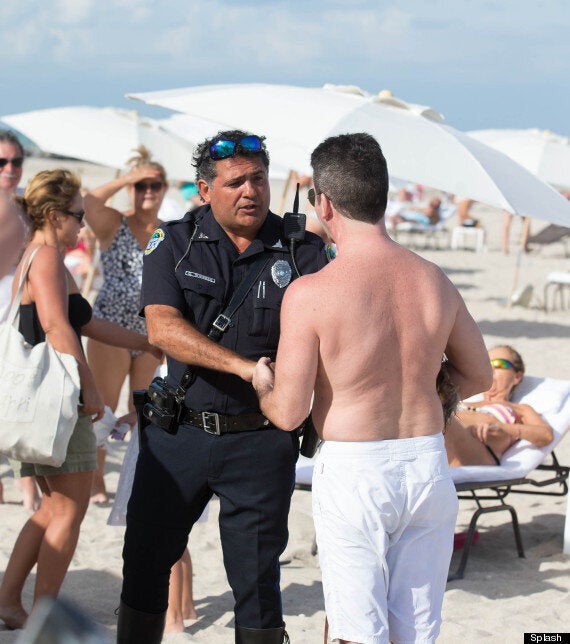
x: 199, y: 278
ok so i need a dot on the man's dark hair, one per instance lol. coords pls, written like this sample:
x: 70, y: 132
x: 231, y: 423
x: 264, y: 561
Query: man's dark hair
x: 7, y: 136
x: 206, y: 166
x: 351, y: 171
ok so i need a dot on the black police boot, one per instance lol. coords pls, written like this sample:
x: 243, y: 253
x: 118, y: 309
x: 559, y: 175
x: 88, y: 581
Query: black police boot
x: 135, y: 627
x: 261, y: 635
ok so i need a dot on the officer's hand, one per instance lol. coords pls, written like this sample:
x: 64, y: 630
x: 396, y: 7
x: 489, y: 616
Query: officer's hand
x: 263, y: 376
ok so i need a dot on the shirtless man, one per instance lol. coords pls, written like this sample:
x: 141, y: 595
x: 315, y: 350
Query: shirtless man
x: 367, y: 333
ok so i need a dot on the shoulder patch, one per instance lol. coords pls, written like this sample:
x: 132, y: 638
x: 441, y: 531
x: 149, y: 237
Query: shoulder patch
x: 155, y: 239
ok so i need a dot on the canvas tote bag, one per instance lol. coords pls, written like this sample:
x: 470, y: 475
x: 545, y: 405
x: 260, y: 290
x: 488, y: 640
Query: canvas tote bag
x: 40, y: 392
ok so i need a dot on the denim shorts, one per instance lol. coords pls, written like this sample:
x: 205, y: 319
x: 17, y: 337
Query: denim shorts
x: 384, y: 515
x: 81, y: 453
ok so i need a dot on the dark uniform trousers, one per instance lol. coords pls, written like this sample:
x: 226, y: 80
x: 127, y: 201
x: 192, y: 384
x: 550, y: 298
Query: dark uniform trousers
x: 252, y: 473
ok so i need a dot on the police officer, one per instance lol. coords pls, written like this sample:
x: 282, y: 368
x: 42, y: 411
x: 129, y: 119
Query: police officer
x: 224, y: 445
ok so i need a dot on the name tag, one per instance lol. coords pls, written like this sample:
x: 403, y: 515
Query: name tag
x: 200, y: 276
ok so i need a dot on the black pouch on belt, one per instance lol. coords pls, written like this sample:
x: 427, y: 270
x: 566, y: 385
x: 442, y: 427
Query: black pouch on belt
x: 309, y: 439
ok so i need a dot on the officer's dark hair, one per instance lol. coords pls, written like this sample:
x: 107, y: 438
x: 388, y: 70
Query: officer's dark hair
x: 7, y: 136
x: 206, y: 166
x: 351, y: 171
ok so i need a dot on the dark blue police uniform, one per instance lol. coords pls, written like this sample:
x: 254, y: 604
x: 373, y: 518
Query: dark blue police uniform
x: 252, y: 472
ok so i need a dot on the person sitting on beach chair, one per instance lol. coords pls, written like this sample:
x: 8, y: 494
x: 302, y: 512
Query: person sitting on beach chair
x: 481, y: 432
x: 427, y: 216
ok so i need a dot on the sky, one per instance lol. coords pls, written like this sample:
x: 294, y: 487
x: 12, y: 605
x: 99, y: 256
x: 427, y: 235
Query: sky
x: 481, y: 63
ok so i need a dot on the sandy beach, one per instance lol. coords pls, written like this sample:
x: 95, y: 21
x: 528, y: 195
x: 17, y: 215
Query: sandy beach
x: 501, y: 596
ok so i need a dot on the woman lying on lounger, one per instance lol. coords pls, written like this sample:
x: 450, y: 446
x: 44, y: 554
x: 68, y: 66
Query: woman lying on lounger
x: 481, y: 432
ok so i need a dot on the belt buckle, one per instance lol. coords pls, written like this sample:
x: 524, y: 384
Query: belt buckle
x: 211, y: 422
x: 221, y: 323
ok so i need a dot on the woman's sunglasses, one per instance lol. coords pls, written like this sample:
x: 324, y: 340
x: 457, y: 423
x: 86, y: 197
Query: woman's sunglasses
x: 501, y: 363
x: 225, y: 148
x: 155, y: 186
x: 17, y: 162
x: 76, y: 215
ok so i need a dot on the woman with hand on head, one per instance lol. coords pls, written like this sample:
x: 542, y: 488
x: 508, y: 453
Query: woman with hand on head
x: 123, y: 238
x: 481, y: 432
x: 52, y: 307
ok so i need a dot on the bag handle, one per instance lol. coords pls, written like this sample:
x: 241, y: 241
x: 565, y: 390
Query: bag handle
x: 14, y: 314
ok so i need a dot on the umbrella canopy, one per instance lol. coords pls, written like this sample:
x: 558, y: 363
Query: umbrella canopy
x: 104, y: 135
x: 543, y: 153
x: 418, y: 145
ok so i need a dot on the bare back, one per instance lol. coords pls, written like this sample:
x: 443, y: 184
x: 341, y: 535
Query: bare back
x: 384, y: 317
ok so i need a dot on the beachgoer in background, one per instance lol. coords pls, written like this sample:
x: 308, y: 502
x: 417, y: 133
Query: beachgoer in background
x: 11, y: 168
x: 224, y: 445
x: 366, y: 334
x: 123, y: 238
x: 53, y: 308
x: 482, y: 431
x: 426, y: 216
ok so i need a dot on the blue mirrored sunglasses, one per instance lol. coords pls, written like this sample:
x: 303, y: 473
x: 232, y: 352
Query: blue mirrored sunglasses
x: 225, y: 148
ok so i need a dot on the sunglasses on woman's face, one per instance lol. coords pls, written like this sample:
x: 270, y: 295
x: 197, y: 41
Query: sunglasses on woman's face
x: 76, y: 215
x: 501, y: 363
x: 142, y: 186
x: 225, y: 148
x: 17, y: 162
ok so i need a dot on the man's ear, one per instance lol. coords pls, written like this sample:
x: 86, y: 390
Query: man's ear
x: 204, y: 190
x: 326, y: 208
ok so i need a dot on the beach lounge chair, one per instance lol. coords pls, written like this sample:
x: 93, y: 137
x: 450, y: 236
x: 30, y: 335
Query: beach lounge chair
x: 524, y: 467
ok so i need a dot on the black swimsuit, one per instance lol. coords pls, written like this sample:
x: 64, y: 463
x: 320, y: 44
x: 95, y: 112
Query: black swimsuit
x: 80, y: 313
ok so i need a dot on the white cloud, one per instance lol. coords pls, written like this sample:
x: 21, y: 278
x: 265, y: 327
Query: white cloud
x: 73, y: 12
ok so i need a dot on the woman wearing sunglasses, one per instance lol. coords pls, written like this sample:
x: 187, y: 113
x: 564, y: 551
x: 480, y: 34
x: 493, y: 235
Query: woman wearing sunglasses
x: 52, y: 308
x: 481, y: 432
x: 123, y: 238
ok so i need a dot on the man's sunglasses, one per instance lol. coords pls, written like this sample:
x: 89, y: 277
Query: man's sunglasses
x: 225, y: 148
x: 76, y: 215
x: 17, y: 162
x: 155, y: 186
x: 501, y: 363
x: 312, y: 196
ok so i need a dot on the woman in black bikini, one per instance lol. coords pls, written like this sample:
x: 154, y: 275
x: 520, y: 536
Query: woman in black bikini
x: 481, y: 432
x: 52, y: 307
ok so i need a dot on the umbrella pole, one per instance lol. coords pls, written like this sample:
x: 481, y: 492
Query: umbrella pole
x: 520, y: 252
x: 285, y: 191
x: 515, y: 278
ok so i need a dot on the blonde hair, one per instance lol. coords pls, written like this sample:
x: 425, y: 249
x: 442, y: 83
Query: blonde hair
x: 46, y: 191
x: 144, y: 157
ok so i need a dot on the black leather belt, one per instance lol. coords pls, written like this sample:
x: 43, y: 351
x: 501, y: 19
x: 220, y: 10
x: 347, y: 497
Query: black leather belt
x: 214, y: 423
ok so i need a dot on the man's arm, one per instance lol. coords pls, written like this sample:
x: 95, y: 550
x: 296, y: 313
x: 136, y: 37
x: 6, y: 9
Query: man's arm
x: 176, y: 337
x: 286, y: 399
x: 469, y: 365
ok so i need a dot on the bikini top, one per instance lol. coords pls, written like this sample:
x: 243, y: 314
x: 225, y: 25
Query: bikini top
x: 80, y: 313
x: 502, y: 413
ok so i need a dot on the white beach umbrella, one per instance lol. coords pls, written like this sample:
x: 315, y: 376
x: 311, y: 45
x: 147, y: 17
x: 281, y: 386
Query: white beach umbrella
x: 418, y: 145
x: 545, y: 154
x: 104, y: 135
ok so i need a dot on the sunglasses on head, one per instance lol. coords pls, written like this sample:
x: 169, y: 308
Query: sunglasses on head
x: 17, y: 162
x: 76, y: 215
x: 501, y: 363
x: 155, y: 186
x: 225, y: 148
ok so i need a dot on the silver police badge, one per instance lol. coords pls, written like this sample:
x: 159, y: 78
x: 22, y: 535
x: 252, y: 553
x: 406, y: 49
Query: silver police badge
x: 281, y: 273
